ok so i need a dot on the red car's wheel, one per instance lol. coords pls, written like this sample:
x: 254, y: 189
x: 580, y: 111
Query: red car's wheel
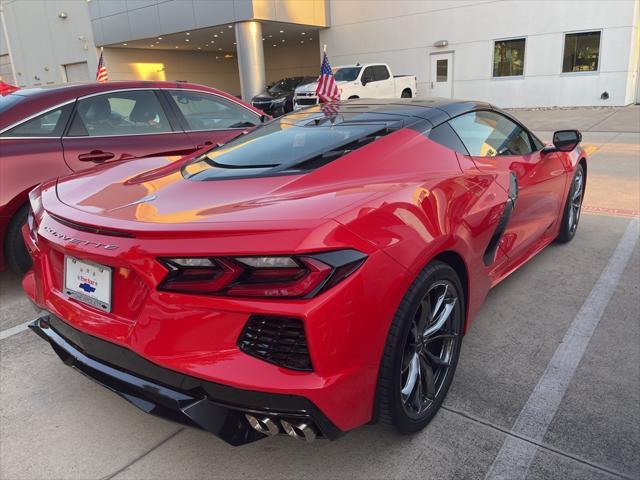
x: 422, y: 349
x: 573, y: 207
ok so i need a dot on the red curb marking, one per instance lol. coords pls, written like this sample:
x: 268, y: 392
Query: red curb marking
x: 616, y: 212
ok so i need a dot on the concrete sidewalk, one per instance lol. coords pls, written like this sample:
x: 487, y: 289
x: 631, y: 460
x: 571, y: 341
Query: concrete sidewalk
x: 585, y: 119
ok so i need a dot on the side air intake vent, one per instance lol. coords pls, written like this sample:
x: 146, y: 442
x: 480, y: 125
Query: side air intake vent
x: 277, y: 340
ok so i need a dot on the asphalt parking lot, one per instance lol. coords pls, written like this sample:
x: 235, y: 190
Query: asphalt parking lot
x: 549, y: 371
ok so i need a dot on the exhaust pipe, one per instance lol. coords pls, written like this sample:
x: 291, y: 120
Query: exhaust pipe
x: 263, y: 425
x: 300, y: 431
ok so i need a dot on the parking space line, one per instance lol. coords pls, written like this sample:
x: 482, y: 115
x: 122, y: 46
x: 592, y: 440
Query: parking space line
x: 612, y: 212
x: 516, y: 455
x: 543, y: 446
x: 10, y: 332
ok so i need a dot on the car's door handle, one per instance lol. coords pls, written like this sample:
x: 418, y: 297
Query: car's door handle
x: 96, y: 156
x: 205, y: 144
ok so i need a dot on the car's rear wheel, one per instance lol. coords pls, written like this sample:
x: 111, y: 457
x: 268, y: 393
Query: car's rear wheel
x: 15, y: 251
x: 422, y: 350
x: 406, y: 93
x: 573, y: 207
x: 288, y: 106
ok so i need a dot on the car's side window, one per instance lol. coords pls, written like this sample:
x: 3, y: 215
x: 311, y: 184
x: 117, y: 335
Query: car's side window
x: 380, y: 72
x: 204, y: 111
x: 49, y: 124
x: 446, y: 136
x: 487, y: 134
x: 134, y: 112
x: 367, y: 75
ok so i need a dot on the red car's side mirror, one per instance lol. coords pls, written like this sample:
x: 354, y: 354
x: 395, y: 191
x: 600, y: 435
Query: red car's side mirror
x: 564, y: 141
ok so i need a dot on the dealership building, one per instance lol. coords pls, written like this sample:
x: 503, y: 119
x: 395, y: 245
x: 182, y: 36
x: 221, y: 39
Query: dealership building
x: 534, y: 53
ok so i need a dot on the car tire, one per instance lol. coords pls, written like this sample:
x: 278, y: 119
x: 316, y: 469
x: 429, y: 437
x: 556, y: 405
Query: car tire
x: 429, y: 360
x: 572, y: 207
x: 406, y: 93
x: 288, y: 107
x: 15, y: 252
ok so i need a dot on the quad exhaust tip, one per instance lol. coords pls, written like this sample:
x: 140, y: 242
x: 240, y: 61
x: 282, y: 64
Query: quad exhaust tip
x: 302, y: 431
x: 264, y: 425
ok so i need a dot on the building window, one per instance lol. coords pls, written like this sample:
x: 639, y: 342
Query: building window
x: 581, y: 52
x: 508, y: 58
x: 442, y: 70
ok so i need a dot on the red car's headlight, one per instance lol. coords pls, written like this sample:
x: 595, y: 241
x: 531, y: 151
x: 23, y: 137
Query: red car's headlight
x: 295, y: 276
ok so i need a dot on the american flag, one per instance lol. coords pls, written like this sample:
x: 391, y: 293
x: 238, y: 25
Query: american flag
x: 102, y: 75
x: 327, y: 89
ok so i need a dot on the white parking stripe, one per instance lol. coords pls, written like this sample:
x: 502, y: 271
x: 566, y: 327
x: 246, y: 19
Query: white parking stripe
x: 9, y: 332
x: 515, y: 455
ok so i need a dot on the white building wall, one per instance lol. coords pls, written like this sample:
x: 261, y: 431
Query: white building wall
x: 42, y: 43
x: 402, y: 33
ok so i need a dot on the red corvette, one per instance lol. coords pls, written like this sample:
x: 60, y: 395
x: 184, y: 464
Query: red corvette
x: 50, y: 132
x: 311, y: 276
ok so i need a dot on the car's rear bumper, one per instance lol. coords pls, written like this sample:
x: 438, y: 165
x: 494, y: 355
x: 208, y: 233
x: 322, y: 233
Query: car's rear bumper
x: 219, y: 409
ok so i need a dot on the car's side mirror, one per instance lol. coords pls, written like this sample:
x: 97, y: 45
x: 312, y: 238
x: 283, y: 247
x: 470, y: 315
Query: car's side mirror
x: 564, y: 141
x: 365, y: 80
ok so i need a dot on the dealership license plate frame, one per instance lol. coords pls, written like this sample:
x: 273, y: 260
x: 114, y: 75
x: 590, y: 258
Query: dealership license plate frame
x: 105, y: 306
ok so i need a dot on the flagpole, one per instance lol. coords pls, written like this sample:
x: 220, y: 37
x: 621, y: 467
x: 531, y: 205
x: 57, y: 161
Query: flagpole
x: 324, y: 48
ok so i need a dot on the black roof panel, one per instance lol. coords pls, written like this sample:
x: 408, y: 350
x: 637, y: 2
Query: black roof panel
x: 435, y: 110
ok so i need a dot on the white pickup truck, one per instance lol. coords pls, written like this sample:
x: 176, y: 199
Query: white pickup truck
x: 369, y: 80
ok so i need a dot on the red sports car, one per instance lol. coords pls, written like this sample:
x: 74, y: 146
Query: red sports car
x: 311, y: 276
x: 51, y: 132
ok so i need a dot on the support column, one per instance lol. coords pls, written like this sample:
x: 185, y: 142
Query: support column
x: 250, y: 58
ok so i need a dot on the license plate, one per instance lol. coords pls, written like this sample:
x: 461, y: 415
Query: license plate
x: 87, y: 282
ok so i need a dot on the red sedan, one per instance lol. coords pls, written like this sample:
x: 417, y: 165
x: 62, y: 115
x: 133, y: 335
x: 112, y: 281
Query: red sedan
x: 307, y: 278
x: 51, y: 132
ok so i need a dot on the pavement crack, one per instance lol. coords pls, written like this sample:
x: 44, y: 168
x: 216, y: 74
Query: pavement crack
x: 602, y: 120
x: 540, y: 445
x: 141, y: 456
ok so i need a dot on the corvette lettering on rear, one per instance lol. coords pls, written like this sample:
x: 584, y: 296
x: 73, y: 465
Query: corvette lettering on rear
x: 78, y: 241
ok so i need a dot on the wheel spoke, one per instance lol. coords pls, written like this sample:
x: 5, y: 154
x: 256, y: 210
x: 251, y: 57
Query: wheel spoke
x: 412, y: 377
x: 441, y: 320
x: 435, y: 360
x: 440, y: 301
x: 571, y: 217
x: 423, y: 316
x: 442, y: 336
x: 577, y: 194
x: 429, y: 379
x: 416, y: 399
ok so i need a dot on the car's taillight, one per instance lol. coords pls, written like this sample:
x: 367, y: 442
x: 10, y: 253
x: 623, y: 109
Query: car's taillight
x: 294, y: 276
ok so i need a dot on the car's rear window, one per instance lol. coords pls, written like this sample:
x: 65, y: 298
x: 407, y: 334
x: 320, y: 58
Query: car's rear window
x: 286, y: 147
